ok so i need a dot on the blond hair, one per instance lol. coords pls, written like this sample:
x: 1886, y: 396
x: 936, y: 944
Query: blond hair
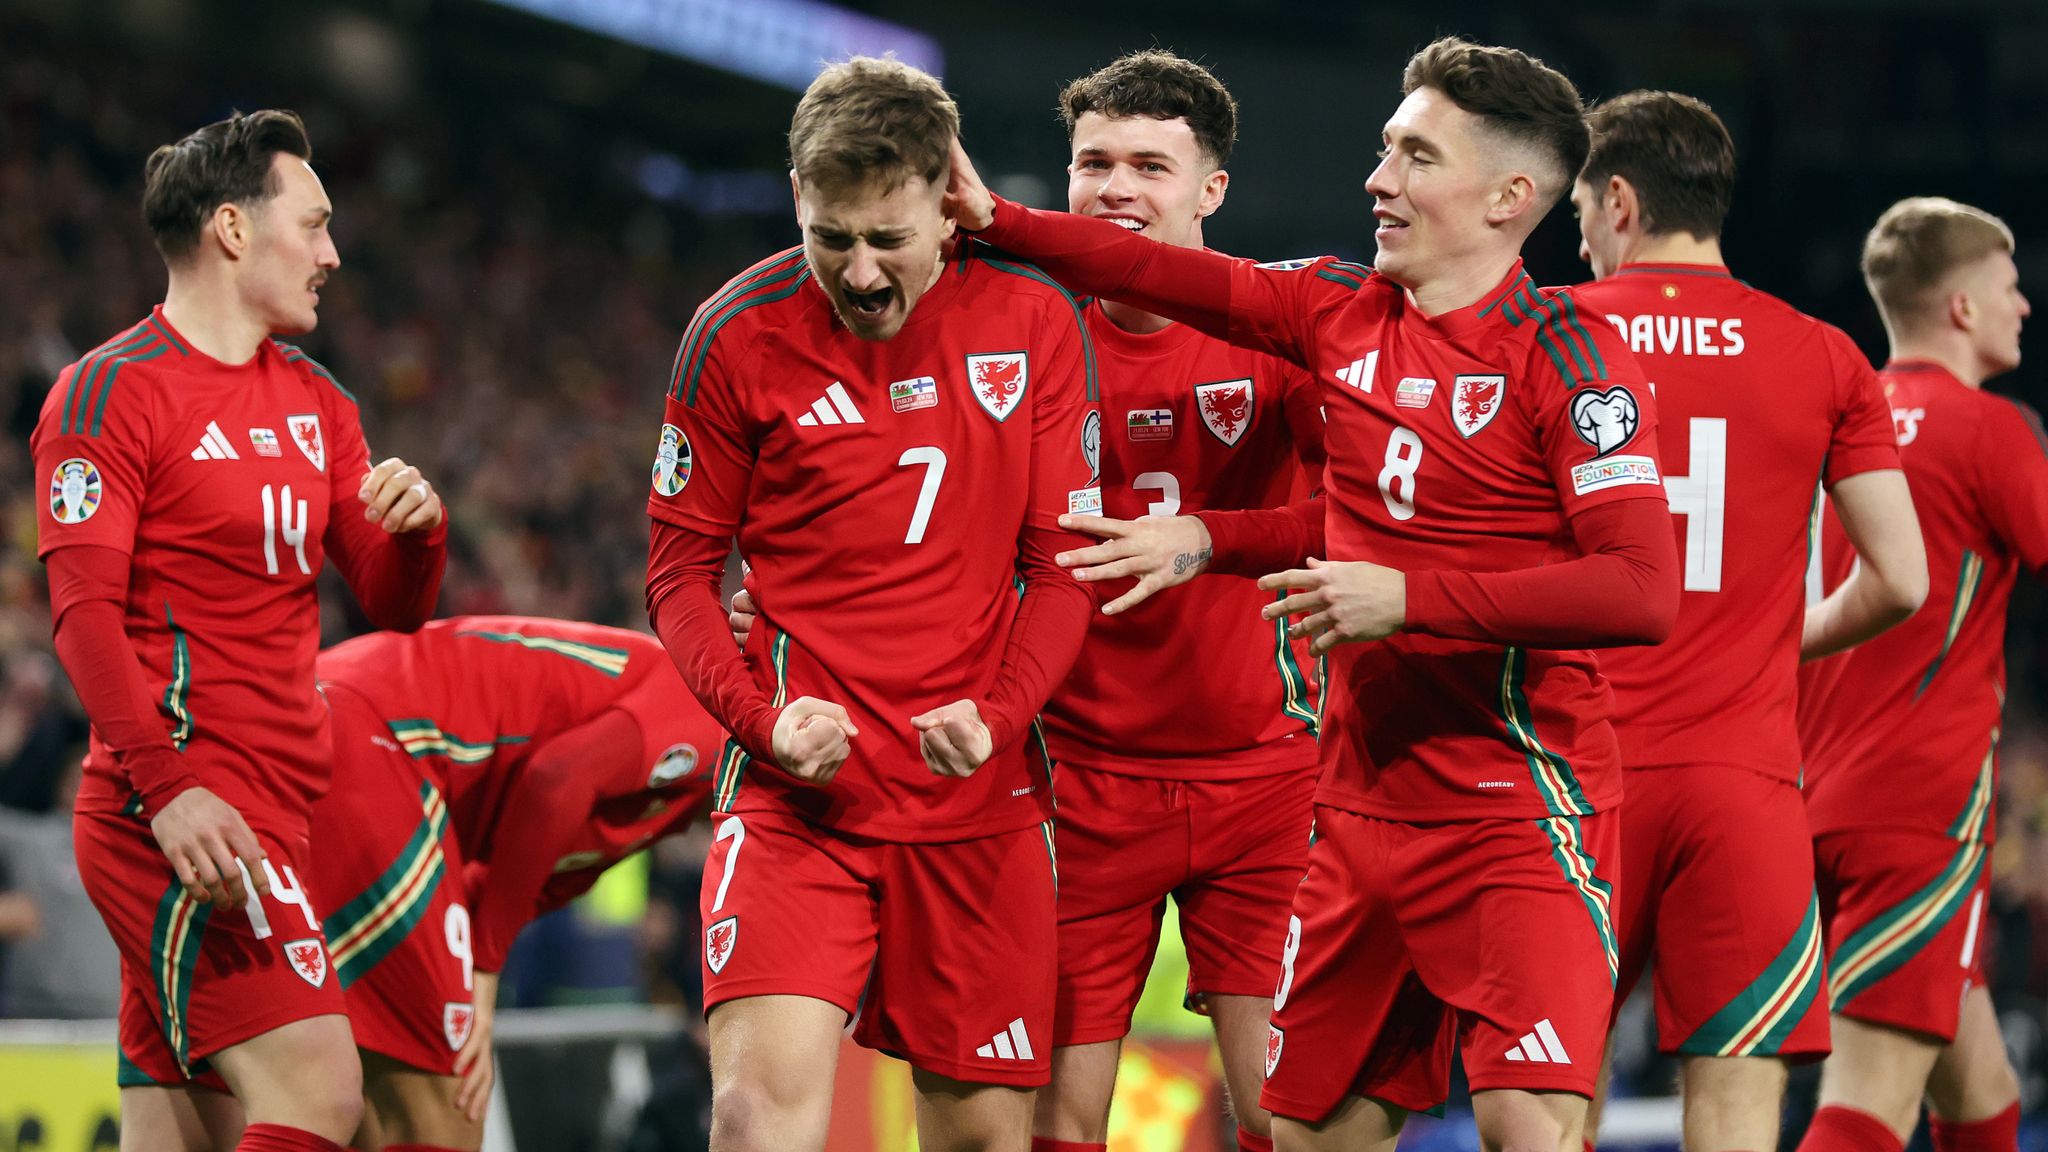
x: 1915, y: 247
x: 872, y: 119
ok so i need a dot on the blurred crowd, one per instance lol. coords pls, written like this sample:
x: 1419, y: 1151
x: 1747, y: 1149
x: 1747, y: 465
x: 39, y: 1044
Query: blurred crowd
x: 508, y: 326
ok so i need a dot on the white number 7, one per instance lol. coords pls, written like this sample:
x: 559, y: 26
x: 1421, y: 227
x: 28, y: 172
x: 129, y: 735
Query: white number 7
x: 934, y: 460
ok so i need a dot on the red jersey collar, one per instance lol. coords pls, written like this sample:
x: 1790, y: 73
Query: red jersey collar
x: 1514, y: 295
x: 187, y: 350
x: 1109, y: 337
x: 1716, y: 271
x: 1919, y: 367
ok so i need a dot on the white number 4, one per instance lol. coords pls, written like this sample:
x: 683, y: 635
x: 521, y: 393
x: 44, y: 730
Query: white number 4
x: 1702, y: 498
x: 934, y: 460
x: 284, y: 890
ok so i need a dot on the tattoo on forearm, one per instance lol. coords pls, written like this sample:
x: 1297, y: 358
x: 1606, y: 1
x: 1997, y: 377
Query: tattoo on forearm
x: 1190, y: 560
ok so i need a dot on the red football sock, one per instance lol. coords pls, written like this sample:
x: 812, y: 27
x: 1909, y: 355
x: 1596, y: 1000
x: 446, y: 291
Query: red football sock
x: 1839, y: 1129
x: 2000, y: 1133
x: 1248, y: 1141
x: 278, y: 1138
x: 1042, y: 1144
x: 1589, y: 1144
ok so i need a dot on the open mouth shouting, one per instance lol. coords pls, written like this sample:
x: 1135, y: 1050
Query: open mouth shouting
x: 869, y: 305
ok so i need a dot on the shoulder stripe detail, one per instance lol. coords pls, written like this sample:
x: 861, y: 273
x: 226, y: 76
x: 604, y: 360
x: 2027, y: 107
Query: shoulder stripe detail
x: 1558, y: 330
x: 1506, y: 302
x: 1351, y: 268
x: 85, y: 375
x: 767, y: 288
x: 164, y: 330
x: 1571, y: 315
x: 109, y: 370
x: 1032, y: 272
x: 1339, y: 278
x: 740, y: 285
x: 2031, y: 418
x: 293, y: 355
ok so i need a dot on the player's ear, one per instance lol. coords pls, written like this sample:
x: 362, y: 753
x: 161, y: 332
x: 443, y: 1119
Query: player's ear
x: 796, y: 190
x: 1511, y: 197
x: 230, y: 228
x: 1620, y: 203
x: 1214, y: 186
x: 1962, y: 311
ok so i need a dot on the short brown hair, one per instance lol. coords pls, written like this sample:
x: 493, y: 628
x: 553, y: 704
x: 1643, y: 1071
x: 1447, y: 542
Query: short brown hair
x: 1674, y: 152
x: 1513, y: 93
x: 226, y: 162
x: 1917, y: 244
x: 1160, y: 86
x: 872, y: 118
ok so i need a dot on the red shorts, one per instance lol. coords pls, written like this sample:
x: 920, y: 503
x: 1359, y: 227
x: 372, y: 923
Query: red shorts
x: 1720, y: 905
x: 1229, y: 852
x: 942, y: 953
x: 1905, y: 922
x: 195, y: 980
x: 1493, y: 936
x: 400, y: 930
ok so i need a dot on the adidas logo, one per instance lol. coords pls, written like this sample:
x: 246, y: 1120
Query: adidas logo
x: 1540, y: 1047
x: 214, y: 445
x: 1009, y: 1044
x: 1359, y: 372
x: 839, y: 410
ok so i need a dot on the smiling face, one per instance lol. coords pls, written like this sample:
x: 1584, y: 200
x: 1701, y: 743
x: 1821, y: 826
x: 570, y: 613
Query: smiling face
x: 288, y: 251
x: 1147, y: 174
x: 1434, y: 190
x: 874, y: 250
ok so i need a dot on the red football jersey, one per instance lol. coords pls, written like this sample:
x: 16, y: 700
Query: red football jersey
x: 1193, y: 683
x: 220, y: 482
x: 1460, y: 442
x: 1902, y: 731
x: 879, y: 490
x: 1755, y: 401
x: 487, y: 702
x: 476, y: 697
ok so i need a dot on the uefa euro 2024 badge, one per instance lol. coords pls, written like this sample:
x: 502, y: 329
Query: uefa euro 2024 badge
x: 672, y: 461
x: 74, y: 491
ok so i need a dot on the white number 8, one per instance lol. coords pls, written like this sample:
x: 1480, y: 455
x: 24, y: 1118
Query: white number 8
x: 1397, y: 479
x: 1287, y: 956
